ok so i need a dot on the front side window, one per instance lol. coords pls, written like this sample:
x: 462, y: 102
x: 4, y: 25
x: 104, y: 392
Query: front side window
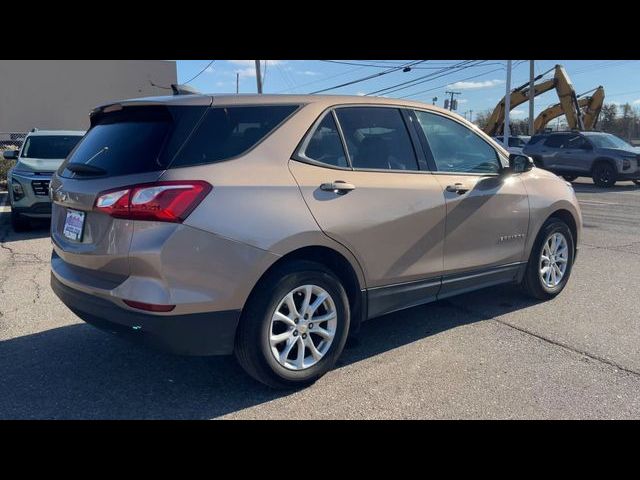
x: 555, y: 141
x: 456, y: 148
x: 324, y: 145
x: 377, y: 138
x: 576, y: 141
x: 609, y: 141
x: 227, y: 132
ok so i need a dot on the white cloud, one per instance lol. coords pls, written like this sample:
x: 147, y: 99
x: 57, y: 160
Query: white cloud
x: 636, y: 102
x: 517, y: 113
x: 475, y: 85
x: 463, y: 100
x: 307, y: 72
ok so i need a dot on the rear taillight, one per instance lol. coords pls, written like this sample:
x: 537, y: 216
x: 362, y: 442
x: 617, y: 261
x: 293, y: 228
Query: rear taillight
x: 161, y: 201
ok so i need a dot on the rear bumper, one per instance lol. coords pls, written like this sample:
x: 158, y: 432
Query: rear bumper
x: 191, y: 334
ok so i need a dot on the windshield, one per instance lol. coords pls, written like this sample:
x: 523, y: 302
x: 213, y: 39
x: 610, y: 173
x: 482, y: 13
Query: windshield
x: 608, y: 141
x: 49, y: 146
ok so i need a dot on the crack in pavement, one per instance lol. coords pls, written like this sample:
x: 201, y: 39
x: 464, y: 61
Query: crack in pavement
x: 556, y: 343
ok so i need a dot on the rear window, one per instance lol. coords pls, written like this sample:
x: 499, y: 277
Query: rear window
x: 49, y: 146
x: 226, y: 132
x: 133, y: 140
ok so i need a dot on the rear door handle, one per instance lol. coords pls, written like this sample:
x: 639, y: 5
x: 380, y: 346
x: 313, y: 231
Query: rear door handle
x: 338, y: 187
x: 457, y: 188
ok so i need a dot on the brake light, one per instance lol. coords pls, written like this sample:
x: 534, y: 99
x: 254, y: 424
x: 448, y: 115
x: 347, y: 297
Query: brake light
x: 150, y: 307
x: 161, y: 201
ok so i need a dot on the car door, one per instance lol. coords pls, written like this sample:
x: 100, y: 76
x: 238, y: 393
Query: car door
x: 487, y: 211
x: 358, y: 171
x: 574, y: 156
x: 551, y: 152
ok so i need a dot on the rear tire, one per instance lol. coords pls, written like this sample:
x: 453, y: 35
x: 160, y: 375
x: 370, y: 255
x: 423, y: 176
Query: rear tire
x: 604, y: 175
x: 569, y: 178
x: 274, y: 362
x: 19, y: 223
x: 534, y: 283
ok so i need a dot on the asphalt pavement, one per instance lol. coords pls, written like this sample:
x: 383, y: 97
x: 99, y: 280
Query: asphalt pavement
x: 489, y: 354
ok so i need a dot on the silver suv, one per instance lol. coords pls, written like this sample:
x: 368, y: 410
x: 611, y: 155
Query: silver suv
x: 601, y: 156
x: 41, y: 154
x: 272, y: 226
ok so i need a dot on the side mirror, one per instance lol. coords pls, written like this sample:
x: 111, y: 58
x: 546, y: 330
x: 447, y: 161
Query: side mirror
x: 10, y: 154
x: 520, y: 163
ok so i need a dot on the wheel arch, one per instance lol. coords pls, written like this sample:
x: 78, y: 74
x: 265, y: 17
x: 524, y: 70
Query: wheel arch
x: 601, y: 160
x: 339, y: 265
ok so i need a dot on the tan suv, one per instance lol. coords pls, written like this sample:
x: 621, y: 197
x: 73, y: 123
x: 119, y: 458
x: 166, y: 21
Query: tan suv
x: 271, y: 226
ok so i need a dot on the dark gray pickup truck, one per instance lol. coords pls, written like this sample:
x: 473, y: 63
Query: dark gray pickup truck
x: 602, y: 156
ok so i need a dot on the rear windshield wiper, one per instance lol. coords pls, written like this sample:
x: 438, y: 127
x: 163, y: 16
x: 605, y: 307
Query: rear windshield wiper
x: 84, y: 169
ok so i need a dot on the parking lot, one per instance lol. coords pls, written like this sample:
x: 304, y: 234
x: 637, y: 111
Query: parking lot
x: 489, y: 354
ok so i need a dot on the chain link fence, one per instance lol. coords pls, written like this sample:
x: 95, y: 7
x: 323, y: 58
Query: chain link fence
x: 8, y: 141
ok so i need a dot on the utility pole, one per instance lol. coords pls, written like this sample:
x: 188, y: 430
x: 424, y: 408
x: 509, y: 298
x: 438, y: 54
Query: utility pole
x: 450, y: 103
x: 507, y: 107
x: 531, y: 95
x: 435, y: 99
x: 471, y: 115
x: 258, y: 76
x: 237, y: 83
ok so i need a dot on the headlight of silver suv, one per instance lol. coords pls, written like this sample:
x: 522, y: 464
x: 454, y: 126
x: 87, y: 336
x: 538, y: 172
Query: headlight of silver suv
x: 17, y: 190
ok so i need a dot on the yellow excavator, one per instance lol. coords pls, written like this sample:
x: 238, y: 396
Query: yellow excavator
x: 590, y: 110
x: 519, y: 95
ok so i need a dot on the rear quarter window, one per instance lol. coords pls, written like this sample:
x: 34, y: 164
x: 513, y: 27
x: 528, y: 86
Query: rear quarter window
x: 227, y: 132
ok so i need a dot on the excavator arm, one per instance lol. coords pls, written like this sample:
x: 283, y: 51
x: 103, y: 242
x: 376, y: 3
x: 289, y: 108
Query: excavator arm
x: 553, y: 112
x: 593, y: 108
x: 590, y: 106
x: 519, y: 95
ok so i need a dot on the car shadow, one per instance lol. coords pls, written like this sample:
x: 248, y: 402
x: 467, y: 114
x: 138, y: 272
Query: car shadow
x: 78, y: 372
x: 617, y: 188
x: 40, y: 228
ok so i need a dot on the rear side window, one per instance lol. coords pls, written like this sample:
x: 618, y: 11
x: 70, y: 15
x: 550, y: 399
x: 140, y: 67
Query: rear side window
x: 226, y: 132
x: 377, y: 138
x: 555, y: 141
x: 132, y: 140
x: 324, y: 145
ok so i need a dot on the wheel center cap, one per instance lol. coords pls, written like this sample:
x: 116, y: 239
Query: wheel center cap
x: 303, y: 328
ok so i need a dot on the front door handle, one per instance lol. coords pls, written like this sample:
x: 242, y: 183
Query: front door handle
x: 457, y: 188
x: 338, y: 187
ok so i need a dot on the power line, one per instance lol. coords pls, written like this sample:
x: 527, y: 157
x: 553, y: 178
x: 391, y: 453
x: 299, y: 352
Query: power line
x: 446, y: 84
x: 200, y: 73
x: 369, y: 77
x: 429, y: 77
x: 313, y: 82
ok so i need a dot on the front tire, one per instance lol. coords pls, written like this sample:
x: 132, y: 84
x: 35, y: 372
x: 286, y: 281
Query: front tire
x: 551, y: 261
x: 294, y: 326
x: 604, y: 175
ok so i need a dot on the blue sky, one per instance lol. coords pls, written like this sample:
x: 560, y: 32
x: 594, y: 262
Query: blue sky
x: 482, y: 83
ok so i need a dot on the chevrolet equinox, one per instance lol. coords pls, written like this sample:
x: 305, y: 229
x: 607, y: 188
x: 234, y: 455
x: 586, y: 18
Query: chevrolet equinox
x: 272, y: 226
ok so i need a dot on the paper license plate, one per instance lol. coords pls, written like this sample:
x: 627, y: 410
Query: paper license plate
x: 74, y: 225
